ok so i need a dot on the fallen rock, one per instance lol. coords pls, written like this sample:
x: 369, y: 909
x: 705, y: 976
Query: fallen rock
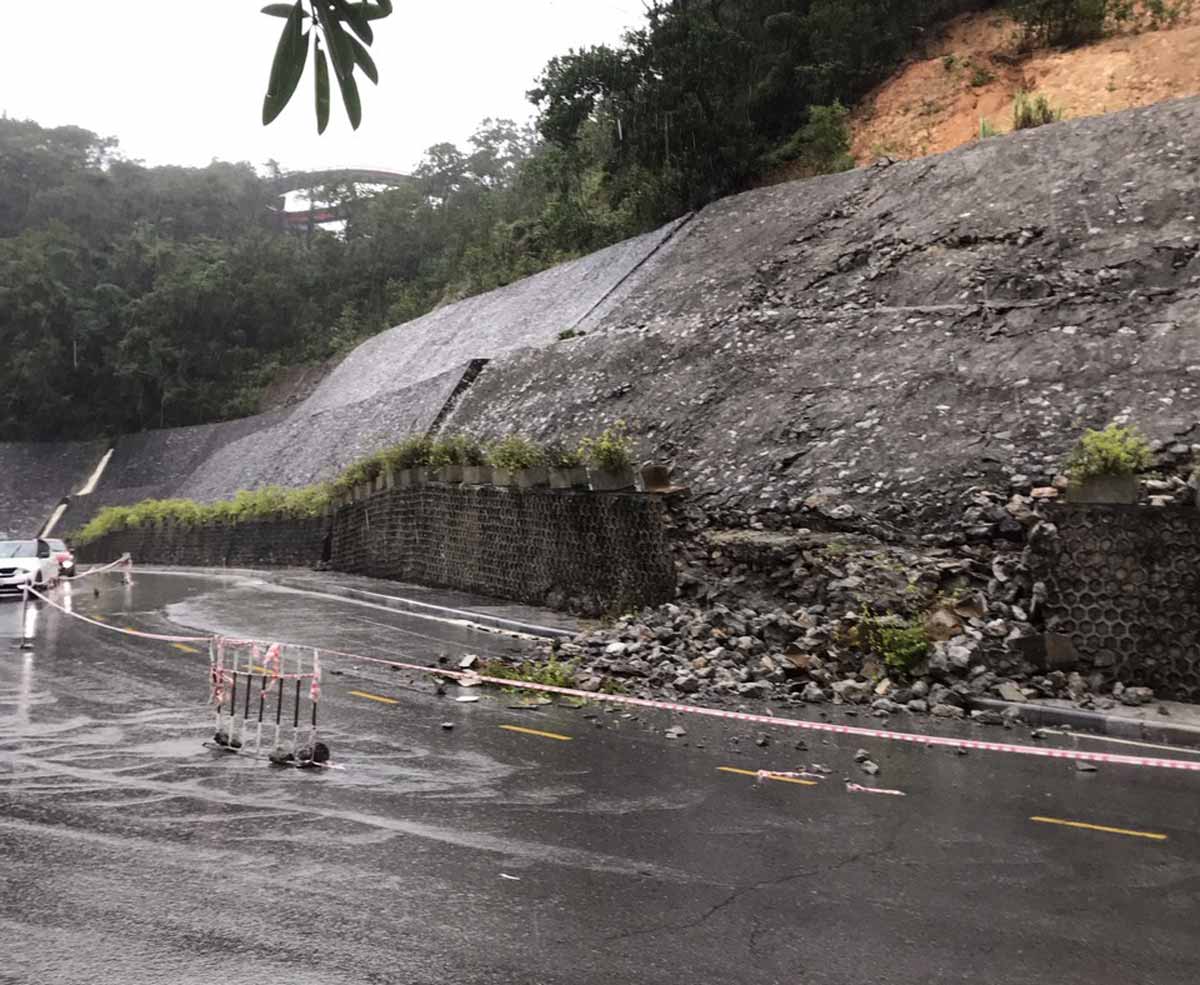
x: 812, y: 693
x: 1010, y: 692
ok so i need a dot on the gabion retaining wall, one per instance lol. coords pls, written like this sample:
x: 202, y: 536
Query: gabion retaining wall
x: 590, y: 552
x: 281, y: 542
x: 1123, y: 582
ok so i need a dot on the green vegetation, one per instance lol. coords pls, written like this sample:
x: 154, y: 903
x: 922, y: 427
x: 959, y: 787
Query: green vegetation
x: 1068, y: 23
x: 610, y: 451
x: 902, y: 646
x: 986, y: 128
x: 1114, y: 451
x: 1031, y: 110
x: 552, y: 671
x: 570, y: 333
x: 515, y: 453
x: 245, y: 506
x: 822, y: 145
x: 472, y: 451
x: 344, y: 30
x: 559, y: 456
x: 980, y: 76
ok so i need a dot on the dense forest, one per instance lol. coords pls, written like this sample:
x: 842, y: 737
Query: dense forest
x: 135, y: 297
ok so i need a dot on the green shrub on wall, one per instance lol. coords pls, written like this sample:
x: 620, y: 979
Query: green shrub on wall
x: 260, y: 504
x: 610, y: 451
x: 515, y: 453
x: 1114, y: 451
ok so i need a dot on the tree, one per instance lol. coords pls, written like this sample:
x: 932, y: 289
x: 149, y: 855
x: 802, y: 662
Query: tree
x: 337, y: 26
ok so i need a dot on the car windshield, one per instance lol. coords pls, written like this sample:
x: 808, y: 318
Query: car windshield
x: 18, y: 548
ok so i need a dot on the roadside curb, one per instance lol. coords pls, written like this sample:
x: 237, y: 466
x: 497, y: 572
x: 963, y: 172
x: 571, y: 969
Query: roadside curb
x: 1094, y: 721
x: 402, y: 604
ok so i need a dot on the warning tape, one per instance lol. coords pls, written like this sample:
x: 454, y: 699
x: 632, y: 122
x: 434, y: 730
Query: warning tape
x: 124, y: 559
x: 119, y: 629
x: 1118, y: 759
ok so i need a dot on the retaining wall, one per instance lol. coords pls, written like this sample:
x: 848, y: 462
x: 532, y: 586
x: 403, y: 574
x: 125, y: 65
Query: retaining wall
x: 1123, y: 582
x: 590, y: 552
x: 257, y: 544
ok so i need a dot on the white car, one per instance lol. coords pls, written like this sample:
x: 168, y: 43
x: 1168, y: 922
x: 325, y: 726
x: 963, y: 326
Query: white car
x: 26, y: 562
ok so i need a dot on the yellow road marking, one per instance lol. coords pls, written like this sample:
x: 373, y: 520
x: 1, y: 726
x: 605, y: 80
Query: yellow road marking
x: 1153, y: 836
x: 781, y: 779
x: 533, y: 731
x: 100, y: 618
x: 185, y: 648
x: 375, y: 697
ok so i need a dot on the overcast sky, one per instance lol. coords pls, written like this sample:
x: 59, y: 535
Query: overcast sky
x: 181, y: 82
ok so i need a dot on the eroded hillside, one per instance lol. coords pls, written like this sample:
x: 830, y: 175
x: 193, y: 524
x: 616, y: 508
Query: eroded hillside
x: 971, y: 71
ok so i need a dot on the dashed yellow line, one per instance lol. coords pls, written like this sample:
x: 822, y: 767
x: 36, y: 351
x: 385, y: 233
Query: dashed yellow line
x: 769, y: 776
x: 1152, y: 835
x: 375, y: 697
x: 533, y: 731
x: 185, y: 648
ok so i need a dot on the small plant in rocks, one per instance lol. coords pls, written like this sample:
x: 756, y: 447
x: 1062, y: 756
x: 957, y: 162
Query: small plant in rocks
x: 610, y: 451
x: 551, y: 671
x: 1114, y: 451
x: 901, y: 646
x: 515, y: 453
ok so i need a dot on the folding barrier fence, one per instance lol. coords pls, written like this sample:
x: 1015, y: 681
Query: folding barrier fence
x: 275, y: 688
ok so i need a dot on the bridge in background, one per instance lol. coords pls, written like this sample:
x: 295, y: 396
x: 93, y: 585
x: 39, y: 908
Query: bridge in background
x: 311, y: 217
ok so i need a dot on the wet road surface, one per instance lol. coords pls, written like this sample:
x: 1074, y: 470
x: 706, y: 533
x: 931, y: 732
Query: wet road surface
x: 586, y: 848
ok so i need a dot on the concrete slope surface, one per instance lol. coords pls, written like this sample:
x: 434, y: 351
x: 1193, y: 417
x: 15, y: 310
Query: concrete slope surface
x: 34, y: 477
x: 529, y: 312
x: 891, y: 336
x: 394, y: 385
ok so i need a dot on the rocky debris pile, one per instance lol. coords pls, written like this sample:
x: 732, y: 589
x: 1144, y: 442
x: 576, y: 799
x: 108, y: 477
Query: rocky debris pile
x: 802, y: 656
x: 803, y: 616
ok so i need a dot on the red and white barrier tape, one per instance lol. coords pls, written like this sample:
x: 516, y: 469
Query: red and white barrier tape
x: 124, y: 559
x: 118, y: 629
x: 912, y: 738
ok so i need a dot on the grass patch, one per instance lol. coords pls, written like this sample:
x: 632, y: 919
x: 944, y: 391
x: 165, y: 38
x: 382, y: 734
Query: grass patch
x: 1031, y: 111
x: 551, y: 671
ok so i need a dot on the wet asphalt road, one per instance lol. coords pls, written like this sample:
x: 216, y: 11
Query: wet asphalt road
x: 133, y: 854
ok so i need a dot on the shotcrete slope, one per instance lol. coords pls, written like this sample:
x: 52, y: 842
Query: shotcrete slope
x: 530, y: 312
x: 35, y: 477
x: 393, y: 385
x: 886, y: 338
